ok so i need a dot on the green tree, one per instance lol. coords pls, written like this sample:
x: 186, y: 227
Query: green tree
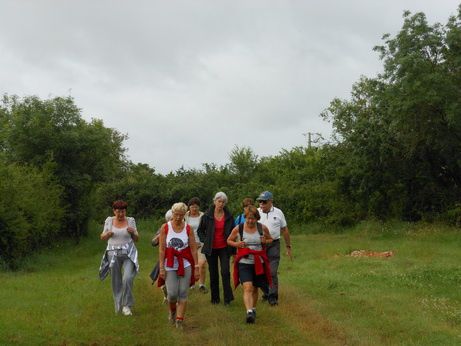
x: 36, y: 132
x: 30, y: 210
x: 401, y: 129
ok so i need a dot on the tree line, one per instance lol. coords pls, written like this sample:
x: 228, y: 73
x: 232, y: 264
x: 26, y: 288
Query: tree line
x: 395, y: 154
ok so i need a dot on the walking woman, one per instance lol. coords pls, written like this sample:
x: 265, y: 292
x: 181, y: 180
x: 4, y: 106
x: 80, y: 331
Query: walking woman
x: 193, y: 217
x: 177, y: 257
x: 214, y: 229
x: 121, y: 256
x: 251, y: 265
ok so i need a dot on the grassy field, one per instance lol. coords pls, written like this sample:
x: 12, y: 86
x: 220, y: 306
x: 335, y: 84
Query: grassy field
x: 327, y: 297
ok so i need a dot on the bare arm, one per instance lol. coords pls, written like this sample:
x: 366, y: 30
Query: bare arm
x: 161, y: 251
x: 266, y: 238
x: 231, y: 240
x: 155, y: 240
x: 105, y: 235
x: 286, y: 236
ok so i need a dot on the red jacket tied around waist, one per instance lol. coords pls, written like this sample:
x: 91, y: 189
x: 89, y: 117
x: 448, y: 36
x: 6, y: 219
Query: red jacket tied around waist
x: 261, y: 264
x: 171, y: 253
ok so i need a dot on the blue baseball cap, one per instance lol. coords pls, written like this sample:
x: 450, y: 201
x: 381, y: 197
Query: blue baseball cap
x: 264, y: 196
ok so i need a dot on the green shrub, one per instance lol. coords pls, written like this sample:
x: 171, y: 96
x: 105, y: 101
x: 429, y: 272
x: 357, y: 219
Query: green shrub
x: 30, y: 211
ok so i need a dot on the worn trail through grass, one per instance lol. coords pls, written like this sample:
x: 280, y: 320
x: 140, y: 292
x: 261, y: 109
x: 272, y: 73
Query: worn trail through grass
x: 326, y: 297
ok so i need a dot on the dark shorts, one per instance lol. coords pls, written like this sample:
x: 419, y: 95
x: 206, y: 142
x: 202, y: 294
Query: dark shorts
x: 247, y: 273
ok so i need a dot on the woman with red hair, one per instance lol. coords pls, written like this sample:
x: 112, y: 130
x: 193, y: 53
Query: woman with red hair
x: 121, y: 256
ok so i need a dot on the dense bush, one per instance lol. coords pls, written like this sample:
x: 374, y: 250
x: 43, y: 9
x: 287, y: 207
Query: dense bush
x: 30, y: 211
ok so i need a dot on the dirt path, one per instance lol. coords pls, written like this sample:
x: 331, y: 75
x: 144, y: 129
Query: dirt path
x: 293, y: 322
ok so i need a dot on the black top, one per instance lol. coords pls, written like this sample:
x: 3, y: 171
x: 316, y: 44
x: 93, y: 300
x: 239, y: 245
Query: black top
x: 205, y: 230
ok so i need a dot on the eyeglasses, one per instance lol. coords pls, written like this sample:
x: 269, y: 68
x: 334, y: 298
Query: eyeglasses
x: 262, y: 202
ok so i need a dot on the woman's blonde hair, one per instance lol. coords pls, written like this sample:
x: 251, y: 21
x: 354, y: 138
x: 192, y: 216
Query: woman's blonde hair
x: 179, y: 207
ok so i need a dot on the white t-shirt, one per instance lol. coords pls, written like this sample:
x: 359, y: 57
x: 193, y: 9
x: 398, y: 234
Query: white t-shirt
x: 274, y: 220
x: 121, y: 235
x: 194, y: 222
x: 179, y: 241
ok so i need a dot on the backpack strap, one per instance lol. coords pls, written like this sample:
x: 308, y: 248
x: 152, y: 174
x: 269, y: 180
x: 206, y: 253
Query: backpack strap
x: 259, y: 227
x: 241, y: 231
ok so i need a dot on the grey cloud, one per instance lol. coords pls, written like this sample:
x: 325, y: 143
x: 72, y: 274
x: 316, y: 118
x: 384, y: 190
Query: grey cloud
x: 188, y: 80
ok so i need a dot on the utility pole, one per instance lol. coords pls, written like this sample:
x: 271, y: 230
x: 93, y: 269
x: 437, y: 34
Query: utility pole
x: 310, y: 138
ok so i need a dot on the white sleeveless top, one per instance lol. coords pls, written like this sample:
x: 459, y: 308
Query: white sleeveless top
x: 179, y: 241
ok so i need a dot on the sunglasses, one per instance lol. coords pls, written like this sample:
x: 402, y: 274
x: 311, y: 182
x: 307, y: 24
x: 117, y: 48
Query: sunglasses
x: 262, y: 202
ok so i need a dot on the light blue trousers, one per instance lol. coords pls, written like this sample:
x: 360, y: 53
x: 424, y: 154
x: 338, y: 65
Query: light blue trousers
x: 122, y: 273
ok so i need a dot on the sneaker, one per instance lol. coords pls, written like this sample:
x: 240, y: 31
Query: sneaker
x: 126, y: 311
x: 179, y: 324
x: 203, y: 289
x: 172, y: 317
x: 250, y: 317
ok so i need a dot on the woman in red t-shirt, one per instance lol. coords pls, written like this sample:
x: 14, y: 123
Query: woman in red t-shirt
x: 214, y: 229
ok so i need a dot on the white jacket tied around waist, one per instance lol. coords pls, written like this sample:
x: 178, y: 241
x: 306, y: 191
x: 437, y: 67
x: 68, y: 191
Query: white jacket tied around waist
x: 111, y: 250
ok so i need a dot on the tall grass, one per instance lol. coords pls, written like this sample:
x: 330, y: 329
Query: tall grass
x: 327, y: 297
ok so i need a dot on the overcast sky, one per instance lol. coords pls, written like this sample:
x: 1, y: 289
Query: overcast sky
x: 190, y: 80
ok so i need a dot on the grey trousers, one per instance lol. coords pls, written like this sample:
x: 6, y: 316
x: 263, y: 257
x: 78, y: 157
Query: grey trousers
x: 178, y: 286
x: 273, y: 253
x: 122, y: 273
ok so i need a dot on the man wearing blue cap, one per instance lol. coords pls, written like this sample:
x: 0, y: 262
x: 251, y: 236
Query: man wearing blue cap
x: 274, y: 219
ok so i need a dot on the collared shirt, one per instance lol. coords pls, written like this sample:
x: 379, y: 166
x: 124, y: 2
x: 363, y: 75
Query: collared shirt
x: 274, y: 220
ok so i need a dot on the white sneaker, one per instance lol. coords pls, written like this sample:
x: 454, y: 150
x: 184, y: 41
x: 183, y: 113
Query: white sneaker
x: 126, y: 311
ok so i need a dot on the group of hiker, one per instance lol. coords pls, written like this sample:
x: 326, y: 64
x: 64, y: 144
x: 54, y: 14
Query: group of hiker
x: 191, y: 240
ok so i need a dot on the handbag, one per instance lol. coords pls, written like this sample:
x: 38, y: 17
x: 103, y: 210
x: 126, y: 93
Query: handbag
x: 155, y: 272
